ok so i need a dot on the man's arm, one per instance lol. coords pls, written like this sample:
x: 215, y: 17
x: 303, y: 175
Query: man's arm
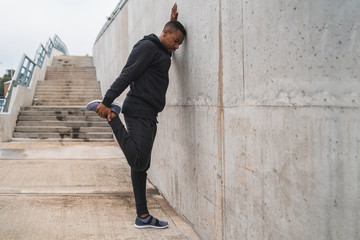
x: 139, y: 59
x: 174, y: 13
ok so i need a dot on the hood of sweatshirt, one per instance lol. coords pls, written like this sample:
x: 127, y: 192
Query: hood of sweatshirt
x: 152, y: 37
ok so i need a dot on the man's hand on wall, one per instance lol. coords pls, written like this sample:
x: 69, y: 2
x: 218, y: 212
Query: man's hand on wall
x: 174, y: 13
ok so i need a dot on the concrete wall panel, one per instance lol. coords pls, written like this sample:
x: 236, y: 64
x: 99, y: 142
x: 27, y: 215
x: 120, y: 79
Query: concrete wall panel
x: 296, y: 176
x: 195, y: 65
x: 185, y: 180
x: 302, y: 52
x: 232, y: 52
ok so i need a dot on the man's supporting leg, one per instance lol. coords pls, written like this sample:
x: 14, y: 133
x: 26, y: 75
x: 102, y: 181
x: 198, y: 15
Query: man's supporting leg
x: 143, y: 132
x: 136, y: 143
x: 139, y: 186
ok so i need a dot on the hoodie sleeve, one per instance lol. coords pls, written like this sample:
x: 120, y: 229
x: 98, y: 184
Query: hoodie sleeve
x: 139, y: 59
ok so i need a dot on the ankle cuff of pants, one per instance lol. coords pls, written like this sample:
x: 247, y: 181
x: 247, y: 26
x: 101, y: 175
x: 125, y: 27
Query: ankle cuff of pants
x: 141, y: 209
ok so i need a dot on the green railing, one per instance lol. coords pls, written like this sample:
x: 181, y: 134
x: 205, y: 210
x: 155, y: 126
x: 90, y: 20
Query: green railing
x: 25, y: 70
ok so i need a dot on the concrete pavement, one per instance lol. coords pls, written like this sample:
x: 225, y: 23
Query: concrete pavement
x: 75, y: 191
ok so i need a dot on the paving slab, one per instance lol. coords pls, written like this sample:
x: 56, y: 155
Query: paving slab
x: 75, y: 191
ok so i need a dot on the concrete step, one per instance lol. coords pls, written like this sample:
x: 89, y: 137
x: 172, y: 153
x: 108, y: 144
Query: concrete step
x: 57, y: 113
x: 102, y: 123
x: 69, y: 77
x: 72, y: 61
x: 66, y: 100
x: 62, y: 78
x: 68, y: 88
x: 72, y: 80
x: 72, y: 68
x: 60, y: 118
x: 63, y: 135
x: 65, y: 89
x: 61, y: 75
x: 71, y: 96
x: 20, y: 140
x: 83, y: 83
x: 61, y: 129
x: 70, y: 74
x: 64, y: 86
x: 66, y: 94
x: 91, y: 77
x: 55, y: 102
x: 60, y: 104
x: 40, y: 108
x: 84, y: 87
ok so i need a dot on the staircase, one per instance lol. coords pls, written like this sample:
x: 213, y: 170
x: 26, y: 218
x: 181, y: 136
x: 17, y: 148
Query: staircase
x: 58, y: 112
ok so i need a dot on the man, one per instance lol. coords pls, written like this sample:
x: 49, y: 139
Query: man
x: 146, y: 71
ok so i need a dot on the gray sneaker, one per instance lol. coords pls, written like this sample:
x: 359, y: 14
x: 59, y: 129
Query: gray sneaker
x: 150, y: 222
x: 92, y: 106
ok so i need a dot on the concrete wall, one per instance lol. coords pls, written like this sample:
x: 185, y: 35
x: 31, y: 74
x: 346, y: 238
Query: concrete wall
x: 260, y: 138
x: 21, y: 97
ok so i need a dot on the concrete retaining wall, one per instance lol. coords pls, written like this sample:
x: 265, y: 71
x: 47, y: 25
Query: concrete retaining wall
x: 260, y: 138
x: 21, y: 97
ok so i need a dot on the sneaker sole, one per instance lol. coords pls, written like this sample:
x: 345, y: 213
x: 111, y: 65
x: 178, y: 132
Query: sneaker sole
x: 149, y: 226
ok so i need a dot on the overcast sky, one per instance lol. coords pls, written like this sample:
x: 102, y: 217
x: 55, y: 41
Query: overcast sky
x: 24, y: 24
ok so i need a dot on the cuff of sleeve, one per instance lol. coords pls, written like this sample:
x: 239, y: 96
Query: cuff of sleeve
x: 107, y: 102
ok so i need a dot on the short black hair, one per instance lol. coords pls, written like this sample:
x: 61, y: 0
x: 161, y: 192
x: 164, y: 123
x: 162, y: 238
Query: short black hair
x: 175, y: 25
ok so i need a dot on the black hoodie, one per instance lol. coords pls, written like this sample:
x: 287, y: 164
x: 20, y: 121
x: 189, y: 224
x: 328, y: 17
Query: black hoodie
x: 146, y: 71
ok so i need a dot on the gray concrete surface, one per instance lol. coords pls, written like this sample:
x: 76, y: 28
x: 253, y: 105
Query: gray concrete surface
x: 75, y: 191
x: 260, y: 137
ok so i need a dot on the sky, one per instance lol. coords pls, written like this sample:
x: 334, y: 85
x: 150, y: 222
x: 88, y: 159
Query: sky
x: 25, y: 24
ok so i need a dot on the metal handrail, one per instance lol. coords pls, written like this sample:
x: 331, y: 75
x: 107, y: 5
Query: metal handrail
x: 111, y: 18
x: 25, y: 70
x: 40, y: 55
x: 22, y: 77
x: 60, y: 45
x: 2, y: 102
x: 49, y: 46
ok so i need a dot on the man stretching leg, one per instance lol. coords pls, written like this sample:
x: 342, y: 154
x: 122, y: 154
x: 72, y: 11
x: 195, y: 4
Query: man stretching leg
x: 146, y: 71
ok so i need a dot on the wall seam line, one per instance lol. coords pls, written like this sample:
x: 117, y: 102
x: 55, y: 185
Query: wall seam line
x: 243, y: 93
x: 243, y: 48
x: 221, y: 126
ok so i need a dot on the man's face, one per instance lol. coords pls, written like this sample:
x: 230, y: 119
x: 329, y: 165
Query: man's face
x: 173, y: 40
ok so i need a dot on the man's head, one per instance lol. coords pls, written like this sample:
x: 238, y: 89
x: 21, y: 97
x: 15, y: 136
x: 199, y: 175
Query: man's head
x: 172, y: 35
